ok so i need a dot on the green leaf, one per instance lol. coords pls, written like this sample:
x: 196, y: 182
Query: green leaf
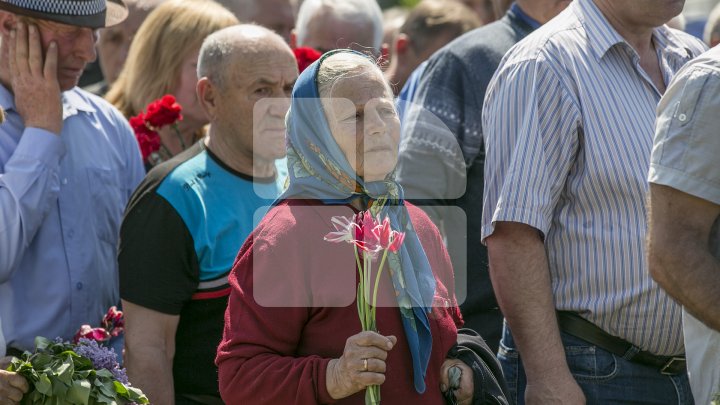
x: 65, y: 371
x: 120, y: 388
x: 59, y: 388
x: 135, y: 395
x: 43, y: 385
x: 104, y: 373
x: 41, y: 361
x: 36, y: 397
x: 42, y: 343
x: 79, y: 392
x: 82, y: 363
x: 108, y: 389
x: 105, y: 399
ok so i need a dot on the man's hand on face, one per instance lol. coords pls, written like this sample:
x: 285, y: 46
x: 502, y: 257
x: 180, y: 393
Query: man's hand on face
x: 34, y: 79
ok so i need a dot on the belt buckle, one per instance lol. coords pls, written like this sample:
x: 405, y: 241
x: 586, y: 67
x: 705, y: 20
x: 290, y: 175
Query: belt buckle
x: 667, y: 368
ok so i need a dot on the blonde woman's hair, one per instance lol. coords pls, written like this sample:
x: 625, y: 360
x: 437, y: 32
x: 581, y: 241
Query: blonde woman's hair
x: 166, y: 37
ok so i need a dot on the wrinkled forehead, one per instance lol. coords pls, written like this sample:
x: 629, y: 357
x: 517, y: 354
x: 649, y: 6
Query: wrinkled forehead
x: 359, y: 87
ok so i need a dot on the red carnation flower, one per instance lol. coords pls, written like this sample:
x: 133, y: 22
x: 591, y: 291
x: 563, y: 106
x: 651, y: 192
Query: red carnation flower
x: 305, y: 57
x: 148, y: 140
x: 161, y: 112
x: 164, y: 111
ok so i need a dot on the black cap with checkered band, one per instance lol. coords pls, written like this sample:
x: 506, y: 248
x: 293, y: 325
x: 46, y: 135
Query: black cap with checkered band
x: 83, y: 13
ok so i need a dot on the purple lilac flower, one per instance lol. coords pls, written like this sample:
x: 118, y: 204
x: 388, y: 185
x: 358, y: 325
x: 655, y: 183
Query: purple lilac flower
x: 101, y: 357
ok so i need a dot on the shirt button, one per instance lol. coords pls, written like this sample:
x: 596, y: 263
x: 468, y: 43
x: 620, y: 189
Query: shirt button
x: 682, y: 117
x: 79, y: 286
x: 64, y: 181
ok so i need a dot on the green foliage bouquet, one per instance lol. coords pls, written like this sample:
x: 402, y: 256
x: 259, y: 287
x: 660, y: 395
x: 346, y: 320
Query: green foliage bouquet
x: 84, y: 373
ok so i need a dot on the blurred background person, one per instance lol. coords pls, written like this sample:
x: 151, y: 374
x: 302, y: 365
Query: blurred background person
x: 501, y: 7
x: 277, y: 15
x: 163, y: 60
x: 333, y: 24
x: 696, y: 13
x: 484, y: 10
x: 393, y: 19
x: 114, y: 42
x: 712, y: 28
x: 428, y: 27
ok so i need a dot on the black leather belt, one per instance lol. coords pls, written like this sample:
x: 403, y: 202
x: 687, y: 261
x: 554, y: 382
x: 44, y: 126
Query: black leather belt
x: 575, y: 325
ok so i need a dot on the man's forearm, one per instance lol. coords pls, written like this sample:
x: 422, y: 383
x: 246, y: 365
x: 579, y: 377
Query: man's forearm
x: 691, y: 275
x: 679, y: 250
x: 150, y: 370
x: 521, y: 280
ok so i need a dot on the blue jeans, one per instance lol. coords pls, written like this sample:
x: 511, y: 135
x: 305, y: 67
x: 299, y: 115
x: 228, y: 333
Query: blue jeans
x: 604, y: 377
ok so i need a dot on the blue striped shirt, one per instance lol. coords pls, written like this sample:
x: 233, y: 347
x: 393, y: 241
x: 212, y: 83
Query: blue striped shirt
x: 569, y: 122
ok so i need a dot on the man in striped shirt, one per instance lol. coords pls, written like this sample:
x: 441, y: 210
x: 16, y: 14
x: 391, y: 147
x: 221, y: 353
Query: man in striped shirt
x: 568, y: 123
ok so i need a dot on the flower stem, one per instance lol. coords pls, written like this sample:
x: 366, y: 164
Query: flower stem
x: 377, y: 282
x: 366, y: 293
x: 372, y: 395
x: 361, y: 289
x: 179, y: 136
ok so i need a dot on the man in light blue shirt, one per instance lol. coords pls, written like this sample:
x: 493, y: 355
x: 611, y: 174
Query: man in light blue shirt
x: 68, y: 164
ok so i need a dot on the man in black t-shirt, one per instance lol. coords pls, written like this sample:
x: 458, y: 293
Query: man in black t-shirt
x: 187, y: 220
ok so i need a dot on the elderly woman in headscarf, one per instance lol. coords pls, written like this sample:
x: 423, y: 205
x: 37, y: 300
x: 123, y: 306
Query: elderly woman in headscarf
x: 292, y: 333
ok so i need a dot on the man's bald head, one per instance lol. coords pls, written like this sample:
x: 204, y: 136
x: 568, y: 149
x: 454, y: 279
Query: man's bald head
x: 246, y: 74
x: 236, y: 45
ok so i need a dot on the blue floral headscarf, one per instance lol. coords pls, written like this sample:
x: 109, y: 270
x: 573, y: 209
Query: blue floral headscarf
x: 319, y: 169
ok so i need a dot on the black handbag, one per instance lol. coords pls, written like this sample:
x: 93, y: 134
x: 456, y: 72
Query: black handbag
x: 488, y: 381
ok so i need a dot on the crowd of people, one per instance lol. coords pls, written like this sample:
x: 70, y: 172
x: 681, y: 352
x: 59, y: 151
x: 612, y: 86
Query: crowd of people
x: 532, y: 188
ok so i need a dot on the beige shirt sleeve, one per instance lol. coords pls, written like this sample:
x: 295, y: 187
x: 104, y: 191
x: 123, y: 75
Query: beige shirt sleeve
x: 686, y: 150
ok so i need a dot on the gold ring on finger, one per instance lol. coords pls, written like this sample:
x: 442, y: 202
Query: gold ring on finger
x: 365, y: 364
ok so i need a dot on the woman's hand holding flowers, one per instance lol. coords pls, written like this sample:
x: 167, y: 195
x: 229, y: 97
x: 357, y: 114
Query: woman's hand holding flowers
x: 12, y: 387
x: 348, y: 374
x: 463, y: 391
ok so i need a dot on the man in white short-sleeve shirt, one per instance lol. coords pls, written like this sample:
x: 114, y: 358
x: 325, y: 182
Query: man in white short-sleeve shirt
x: 684, y: 228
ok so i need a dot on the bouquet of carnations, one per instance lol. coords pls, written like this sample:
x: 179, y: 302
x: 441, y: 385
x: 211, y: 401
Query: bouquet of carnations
x: 84, y: 372
x: 160, y: 113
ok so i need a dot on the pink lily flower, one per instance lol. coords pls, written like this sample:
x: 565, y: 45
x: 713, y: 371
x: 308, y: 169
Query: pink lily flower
x: 397, y: 240
x: 344, y: 228
x: 88, y: 332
